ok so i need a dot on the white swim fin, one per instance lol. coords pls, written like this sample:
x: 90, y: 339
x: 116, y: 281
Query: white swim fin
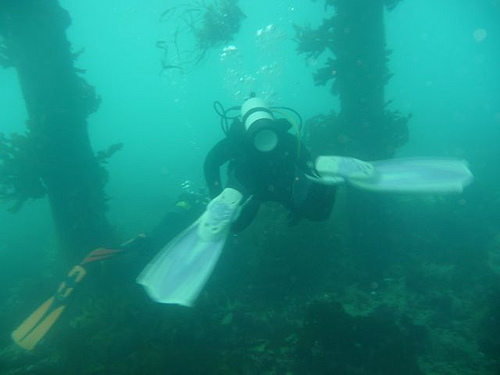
x: 180, y: 270
x: 408, y: 175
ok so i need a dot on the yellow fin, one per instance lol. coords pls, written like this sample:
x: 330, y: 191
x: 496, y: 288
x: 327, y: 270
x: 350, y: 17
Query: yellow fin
x: 31, y: 321
x: 28, y: 336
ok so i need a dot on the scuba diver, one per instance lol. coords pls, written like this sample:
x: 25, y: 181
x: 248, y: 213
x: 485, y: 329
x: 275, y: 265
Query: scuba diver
x: 189, y: 205
x: 267, y: 163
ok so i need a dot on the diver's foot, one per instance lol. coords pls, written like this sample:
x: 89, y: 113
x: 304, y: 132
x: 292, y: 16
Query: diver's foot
x: 344, y: 167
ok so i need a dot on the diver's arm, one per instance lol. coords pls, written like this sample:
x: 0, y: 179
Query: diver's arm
x: 303, y: 158
x: 216, y: 157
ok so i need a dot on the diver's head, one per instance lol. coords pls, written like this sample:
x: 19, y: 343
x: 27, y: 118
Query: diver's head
x: 259, y: 124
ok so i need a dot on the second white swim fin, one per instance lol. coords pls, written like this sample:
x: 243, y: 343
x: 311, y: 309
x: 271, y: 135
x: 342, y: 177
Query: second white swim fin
x: 180, y: 270
x: 408, y: 175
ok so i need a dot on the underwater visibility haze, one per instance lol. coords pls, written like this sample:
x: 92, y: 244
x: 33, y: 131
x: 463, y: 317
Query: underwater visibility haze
x: 250, y: 187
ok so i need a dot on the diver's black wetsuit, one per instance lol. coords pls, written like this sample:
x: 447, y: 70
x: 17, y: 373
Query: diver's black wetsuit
x: 278, y: 175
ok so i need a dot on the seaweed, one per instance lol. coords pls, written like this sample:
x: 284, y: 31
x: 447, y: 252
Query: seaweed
x: 352, y: 41
x: 20, y: 178
x: 197, y: 28
x: 20, y: 169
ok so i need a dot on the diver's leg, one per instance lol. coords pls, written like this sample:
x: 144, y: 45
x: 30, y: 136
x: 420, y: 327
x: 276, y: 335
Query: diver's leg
x: 250, y: 204
x: 312, y: 200
x: 247, y: 215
